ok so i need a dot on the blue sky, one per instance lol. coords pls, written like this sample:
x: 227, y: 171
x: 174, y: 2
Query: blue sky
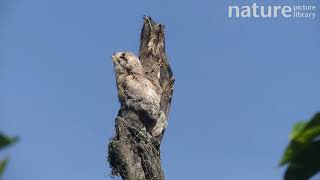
x: 240, y: 85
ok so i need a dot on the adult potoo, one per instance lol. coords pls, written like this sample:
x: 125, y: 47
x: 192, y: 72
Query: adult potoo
x: 154, y: 60
x: 155, y: 64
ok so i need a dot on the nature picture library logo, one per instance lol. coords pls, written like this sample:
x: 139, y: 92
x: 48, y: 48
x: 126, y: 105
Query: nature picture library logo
x: 272, y: 11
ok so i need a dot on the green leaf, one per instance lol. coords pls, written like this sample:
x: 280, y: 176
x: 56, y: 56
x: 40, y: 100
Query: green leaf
x: 297, y: 129
x: 3, y: 164
x: 302, y: 153
x: 302, y: 135
x: 304, y: 165
x: 6, y: 141
x: 294, y: 146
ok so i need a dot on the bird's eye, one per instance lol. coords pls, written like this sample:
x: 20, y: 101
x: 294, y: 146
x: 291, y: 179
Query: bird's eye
x: 123, y: 55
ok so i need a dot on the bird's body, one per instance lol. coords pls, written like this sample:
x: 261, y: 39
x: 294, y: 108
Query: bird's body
x: 145, y: 84
x: 157, y: 69
x: 135, y: 91
x: 141, y: 89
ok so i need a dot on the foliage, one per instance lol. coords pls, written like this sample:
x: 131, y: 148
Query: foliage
x: 302, y: 153
x: 5, y: 141
x: 3, y: 164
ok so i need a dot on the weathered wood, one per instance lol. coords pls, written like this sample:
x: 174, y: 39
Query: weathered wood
x: 145, y: 88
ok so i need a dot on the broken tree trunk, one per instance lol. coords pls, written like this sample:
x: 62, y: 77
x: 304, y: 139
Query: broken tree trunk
x: 145, y: 87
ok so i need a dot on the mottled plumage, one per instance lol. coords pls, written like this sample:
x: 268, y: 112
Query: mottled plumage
x: 156, y: 67
x: 154, y: 60
x: 135, y: 91
x: 145, y: 89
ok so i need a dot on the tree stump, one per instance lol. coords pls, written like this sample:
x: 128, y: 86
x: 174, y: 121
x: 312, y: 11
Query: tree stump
x: 145, y: 88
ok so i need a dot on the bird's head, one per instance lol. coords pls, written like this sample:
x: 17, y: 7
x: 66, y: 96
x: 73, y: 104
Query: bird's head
x: 148, y: 22
x: 127, y: 62
x: 152, y: 37
x: 148, y: 27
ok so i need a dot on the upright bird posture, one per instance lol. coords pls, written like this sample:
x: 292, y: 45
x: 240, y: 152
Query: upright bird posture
x: 156, y: 66
x: 144, y: 90
x: 136, y: 92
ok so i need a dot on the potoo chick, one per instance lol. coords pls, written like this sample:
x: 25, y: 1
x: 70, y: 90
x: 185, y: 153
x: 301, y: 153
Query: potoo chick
x: 135, y: 91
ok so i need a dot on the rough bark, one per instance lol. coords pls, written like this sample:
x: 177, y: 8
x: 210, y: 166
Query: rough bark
x: 145, y: 88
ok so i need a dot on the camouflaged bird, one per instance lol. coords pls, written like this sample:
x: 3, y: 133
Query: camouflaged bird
x: 156, y: 66
x: 136, y: 92
x: 145, y: 90
x: 154, y: 60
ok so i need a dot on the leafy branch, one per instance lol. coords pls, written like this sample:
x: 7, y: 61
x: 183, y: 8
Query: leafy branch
x: 302, y: 153
x: 5, y: 141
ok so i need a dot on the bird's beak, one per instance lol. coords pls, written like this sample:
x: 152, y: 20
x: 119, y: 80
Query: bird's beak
x: 146, y: 18
x: 115, y: 56
x: 118, y: 55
